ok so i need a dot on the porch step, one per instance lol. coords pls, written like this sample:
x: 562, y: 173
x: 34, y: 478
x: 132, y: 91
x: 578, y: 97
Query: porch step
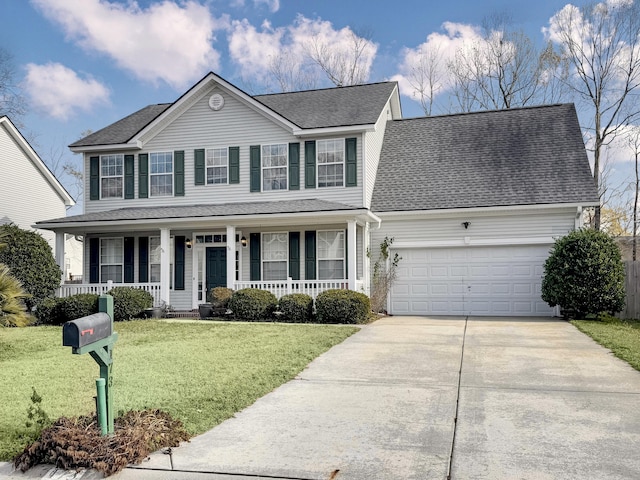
x: 183, y: 314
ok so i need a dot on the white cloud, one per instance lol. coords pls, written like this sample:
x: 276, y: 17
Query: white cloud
x: 443, y: 45
x: 60, y: 92
x: 254, y: 49
x: 166, y: 41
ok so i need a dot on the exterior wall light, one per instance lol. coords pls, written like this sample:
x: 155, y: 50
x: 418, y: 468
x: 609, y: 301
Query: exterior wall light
x: 243, y: 241
x: 188, y: 243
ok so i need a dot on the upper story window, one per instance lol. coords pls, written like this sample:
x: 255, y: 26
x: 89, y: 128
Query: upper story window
x: 161, y: 174
x: 275, y: 255
x: 274, y: 167
x: 111, y: 176
x: 217, y: 165
x: 330, y: 155
x: 330, y: 254
x: 111, y: 259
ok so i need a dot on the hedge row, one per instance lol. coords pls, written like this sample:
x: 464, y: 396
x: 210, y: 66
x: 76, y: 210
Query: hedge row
x: 128, y: 303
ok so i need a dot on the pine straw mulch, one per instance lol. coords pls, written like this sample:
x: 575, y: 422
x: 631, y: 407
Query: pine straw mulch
x: 76, y: 443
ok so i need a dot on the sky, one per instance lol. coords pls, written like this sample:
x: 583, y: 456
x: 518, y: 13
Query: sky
x: 84, y: 64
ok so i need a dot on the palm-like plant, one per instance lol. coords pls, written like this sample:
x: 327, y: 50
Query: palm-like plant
x: 12, y: 309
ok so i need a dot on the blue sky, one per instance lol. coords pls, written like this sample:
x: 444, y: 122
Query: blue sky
x: 85, y: 64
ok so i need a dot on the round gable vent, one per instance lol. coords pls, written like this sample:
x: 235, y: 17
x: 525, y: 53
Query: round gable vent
x: 216, y: 102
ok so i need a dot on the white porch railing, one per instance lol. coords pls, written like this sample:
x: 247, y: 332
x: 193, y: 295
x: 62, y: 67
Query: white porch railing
x: 284, y: 287
x: 68, y: 289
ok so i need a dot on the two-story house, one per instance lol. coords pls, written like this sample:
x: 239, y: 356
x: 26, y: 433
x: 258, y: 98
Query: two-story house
x: 294, y: 192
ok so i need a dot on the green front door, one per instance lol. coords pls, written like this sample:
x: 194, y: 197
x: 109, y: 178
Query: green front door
x: 216, y: 267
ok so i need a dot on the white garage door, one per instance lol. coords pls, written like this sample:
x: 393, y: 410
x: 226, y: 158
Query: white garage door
x: 502, y: 280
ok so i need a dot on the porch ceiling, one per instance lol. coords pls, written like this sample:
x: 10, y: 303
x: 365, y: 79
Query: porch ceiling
x: 288, y: 212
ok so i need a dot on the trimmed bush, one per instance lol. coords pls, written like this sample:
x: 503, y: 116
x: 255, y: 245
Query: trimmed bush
x: 49, y: 312
x: 129, y: 302
x: 30, y: 259
x: 220, y: 297
x: 584, y: 274
x: 342, y: 306
x: 77, y: 306
x: 253, y: 304
x: 296, y: 308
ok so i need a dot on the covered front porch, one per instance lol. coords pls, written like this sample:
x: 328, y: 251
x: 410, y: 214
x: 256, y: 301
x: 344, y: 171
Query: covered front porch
x: 178, y: 260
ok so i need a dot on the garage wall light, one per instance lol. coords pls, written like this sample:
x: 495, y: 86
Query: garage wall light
x: 466, y: 224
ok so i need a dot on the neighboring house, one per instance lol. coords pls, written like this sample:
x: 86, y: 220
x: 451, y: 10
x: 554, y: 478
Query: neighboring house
x: 295, y: 192
x: 29, y: 191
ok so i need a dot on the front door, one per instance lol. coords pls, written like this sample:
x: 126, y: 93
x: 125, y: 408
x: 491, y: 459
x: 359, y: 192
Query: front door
x: 216, y: 267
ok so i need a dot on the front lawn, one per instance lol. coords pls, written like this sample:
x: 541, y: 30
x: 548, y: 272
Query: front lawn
x: 622, y: 337
x: 201, y: 373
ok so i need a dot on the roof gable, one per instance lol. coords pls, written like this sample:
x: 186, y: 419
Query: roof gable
x: 8, y: 126
x: 523, y: 156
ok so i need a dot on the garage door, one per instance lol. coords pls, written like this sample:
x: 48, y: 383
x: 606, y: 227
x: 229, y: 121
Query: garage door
x: 470, y: 281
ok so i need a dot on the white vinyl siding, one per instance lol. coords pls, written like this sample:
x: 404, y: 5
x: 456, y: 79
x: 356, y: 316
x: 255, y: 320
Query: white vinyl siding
x: 235, y: 124
x: 217, y: 166
x: 161, y: 174
x: 373, y: 146
x: 111, y: 176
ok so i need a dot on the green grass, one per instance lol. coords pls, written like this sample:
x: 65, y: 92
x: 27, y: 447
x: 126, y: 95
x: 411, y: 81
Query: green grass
x: 622, y: 337
x: 201, y: 373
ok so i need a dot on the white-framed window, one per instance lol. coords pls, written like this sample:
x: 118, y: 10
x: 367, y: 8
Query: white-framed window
x: 330, y: 161
x: 275, y: 256
x: 111, y: 259
x: 154, y: 260
x: 161, y: 174
x: 217, y: 166
x: 111, y: 176
x: 274, y: 167
x: 331, y: 250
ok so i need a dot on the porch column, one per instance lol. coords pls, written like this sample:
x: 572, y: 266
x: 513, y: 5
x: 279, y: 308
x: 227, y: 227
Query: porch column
x: 366, y: 245
x: 165, y: 260
x: 60, y: 254
x: 351, y: 254
x: 231, y: 256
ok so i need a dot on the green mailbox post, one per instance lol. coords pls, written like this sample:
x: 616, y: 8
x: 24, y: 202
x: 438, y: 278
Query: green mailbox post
x: 94, y: 335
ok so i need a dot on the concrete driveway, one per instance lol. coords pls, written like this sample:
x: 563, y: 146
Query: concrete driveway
x: 431, y: 398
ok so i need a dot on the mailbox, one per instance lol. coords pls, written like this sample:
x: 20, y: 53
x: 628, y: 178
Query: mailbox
x: 86, y: 330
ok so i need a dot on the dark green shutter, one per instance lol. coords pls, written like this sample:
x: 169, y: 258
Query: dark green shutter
x: 198, y: 156
x: 352, y: 162
x: 129, y: 245
x: 294, y: 166
x: 310, y: 255
x: 310, y: 164
x: 178, y: 173
x: 94, y: 260
x: 234, y: 164
x: 254, y: 157
x: 178, y: 269
x: 94, y: 178
x: 254, y: 256
x: 129, y: 179
x: 143, y: 175
x: 294, y: 255
x: 143, y: 259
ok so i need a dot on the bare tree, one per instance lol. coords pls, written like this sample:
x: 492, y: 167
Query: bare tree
x: 504, y: 69
x: 12, y: 103
x: 345, y: 63
x: 634, y: 143
x: 291, y: 73
x: 601, y: 43
x: 426, y: 77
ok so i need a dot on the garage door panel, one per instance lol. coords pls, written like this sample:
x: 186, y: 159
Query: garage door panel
x: 504, y: 280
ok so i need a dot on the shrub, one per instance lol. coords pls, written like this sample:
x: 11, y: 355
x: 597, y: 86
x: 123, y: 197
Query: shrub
x: 296, y: 307
x: 31, y: 261
x: 49, y: 312
x: 220, y: 296
x: 253, y: 304
x: 77, y: 306
x: 584, y: 274
x: 129, y: 302
x: 342, y: 306
x: 12, y: 309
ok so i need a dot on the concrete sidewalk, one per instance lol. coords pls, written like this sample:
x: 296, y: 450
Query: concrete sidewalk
x: 534, y: 399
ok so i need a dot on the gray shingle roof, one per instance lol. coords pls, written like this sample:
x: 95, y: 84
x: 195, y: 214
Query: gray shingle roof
x: 123, y: 130
x: 331, y: 107
x: 196, y: 211
x: 523, y: 156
